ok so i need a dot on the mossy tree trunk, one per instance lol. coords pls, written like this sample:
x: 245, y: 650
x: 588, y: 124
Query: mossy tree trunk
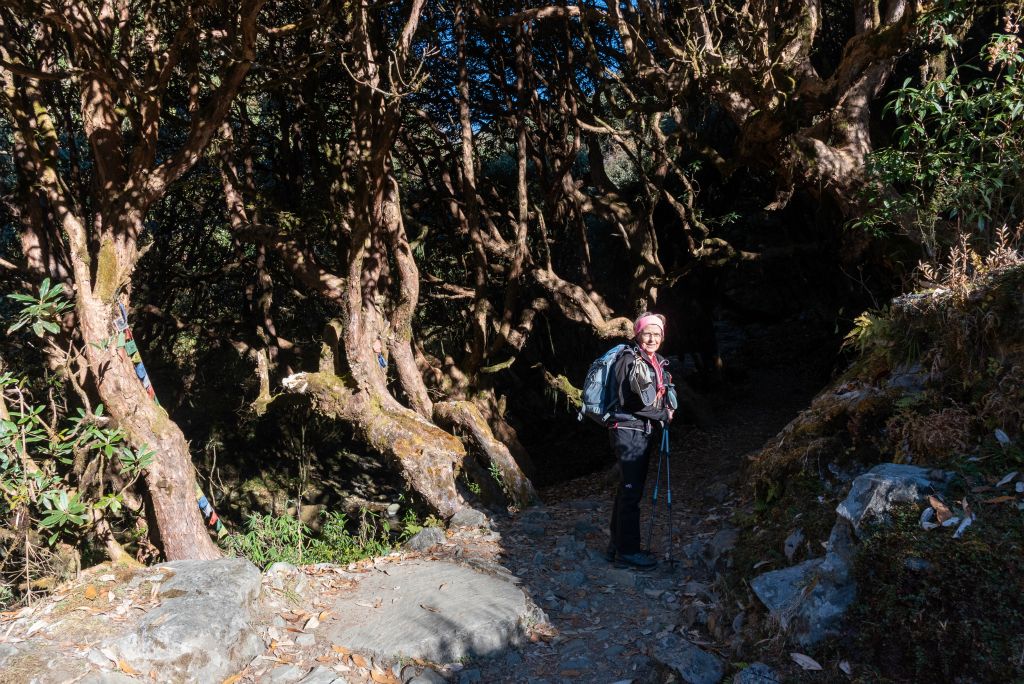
x: 94, y: 227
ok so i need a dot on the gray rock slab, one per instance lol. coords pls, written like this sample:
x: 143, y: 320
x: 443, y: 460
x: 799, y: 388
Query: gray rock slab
x: 202, y: 631
x: 874, y: 493
x: 436, y: 611
x: 689, y: 661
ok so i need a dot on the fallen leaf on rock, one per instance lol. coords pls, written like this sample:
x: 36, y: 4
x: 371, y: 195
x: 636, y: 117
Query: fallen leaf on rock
x: 358, y: 660
x: 340, y: 650
x: 845, y: 667
x: 233, y: 679
x: 109, y: 654
x: 1006, y: 478
x: 967, y: 521
x: 942, y: 511
x: 91, y: 592
x: 999, y: 499
x: 805, y: 661
x: 312, y: 623
x: 1002, y: 437
x: 126, y: 668
x: 757, y: 565
x: 927, y: 515
x: 383, y: 677
x: 106, y: 578
x: 38, y: 625
x: 430, y: 608
x: 792, y: 543
x: 324, y: 659
x: 324, y: 614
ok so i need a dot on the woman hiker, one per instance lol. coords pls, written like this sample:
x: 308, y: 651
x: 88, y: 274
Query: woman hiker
x: 646, y: 403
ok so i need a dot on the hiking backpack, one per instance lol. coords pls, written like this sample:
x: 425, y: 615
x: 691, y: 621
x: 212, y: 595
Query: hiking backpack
x: 600, y: 392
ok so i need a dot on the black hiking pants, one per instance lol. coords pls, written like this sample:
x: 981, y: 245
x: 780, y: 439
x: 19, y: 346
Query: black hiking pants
x: 633, y: 443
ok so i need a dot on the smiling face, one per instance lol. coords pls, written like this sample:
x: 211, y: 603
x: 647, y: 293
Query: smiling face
x: 650, y: 338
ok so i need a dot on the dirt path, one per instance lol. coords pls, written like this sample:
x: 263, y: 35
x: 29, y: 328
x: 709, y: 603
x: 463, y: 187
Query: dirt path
x: 610, y: 621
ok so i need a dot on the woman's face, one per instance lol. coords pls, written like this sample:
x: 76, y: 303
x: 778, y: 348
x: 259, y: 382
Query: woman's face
x: 650, y: 338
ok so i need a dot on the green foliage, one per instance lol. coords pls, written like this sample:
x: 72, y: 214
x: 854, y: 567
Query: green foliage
x: 934, y: 608
x: 37, y: 463
x: 957, y: 162
x: 871, y: 330
x: 270, y: 539
x: 41, y: 314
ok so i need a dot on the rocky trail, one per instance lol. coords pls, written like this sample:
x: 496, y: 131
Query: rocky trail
x: 525, y: 598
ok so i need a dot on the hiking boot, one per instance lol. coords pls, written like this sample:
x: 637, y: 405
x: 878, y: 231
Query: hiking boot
x: 639, y: 559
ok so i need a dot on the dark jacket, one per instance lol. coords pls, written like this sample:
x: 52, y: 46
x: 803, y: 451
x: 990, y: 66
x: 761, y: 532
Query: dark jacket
x: 629, y: 402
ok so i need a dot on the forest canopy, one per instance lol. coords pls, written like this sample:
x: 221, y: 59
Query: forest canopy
x: 419, y: 221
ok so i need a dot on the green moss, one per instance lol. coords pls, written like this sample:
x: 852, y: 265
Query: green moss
x: 938, y: 609
x: 107, y: 279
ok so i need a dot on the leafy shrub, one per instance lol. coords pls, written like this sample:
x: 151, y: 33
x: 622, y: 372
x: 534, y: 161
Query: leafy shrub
x: 270, y: 539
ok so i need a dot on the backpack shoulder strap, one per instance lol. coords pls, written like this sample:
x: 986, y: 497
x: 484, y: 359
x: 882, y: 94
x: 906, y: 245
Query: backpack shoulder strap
x: 620, y: 371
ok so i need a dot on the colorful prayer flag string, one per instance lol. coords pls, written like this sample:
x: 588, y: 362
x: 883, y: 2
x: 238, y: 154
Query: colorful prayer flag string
x: 131, y: 352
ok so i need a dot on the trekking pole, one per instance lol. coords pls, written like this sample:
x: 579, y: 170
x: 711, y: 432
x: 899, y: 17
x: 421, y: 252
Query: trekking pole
x: 668, y: 494
x: 654, y: 504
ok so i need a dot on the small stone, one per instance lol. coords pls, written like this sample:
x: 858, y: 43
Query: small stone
x: 305, y: 640
x: 574, y: 579
x: 93, y: 656
x: 428, y: 676
x: 756, y: 673
x: 534, y: 529
x: 582, y: 529
x: 469, y: 676
x: 320, y: 675
x: 285, y: 674
x: 614, y: 651
x: 917, y: 565
x: 579, y: 663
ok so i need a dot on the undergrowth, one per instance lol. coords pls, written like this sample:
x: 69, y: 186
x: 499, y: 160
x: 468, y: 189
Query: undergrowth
x: 270, y: 539
x: 935, y: 609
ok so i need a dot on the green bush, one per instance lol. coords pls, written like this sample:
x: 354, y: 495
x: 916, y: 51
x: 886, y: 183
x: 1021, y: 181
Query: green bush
x: 270, y: 539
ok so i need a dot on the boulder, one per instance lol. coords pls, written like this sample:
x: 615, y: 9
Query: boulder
x: 686, y: 660
x: 874, y: 493
x: 425, y: 539
x: 468, y: 517
x: 203, y: 604
x: 810, y: 599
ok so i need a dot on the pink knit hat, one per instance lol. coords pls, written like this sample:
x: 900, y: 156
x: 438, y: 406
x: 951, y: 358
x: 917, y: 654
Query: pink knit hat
x: 647, y: 319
